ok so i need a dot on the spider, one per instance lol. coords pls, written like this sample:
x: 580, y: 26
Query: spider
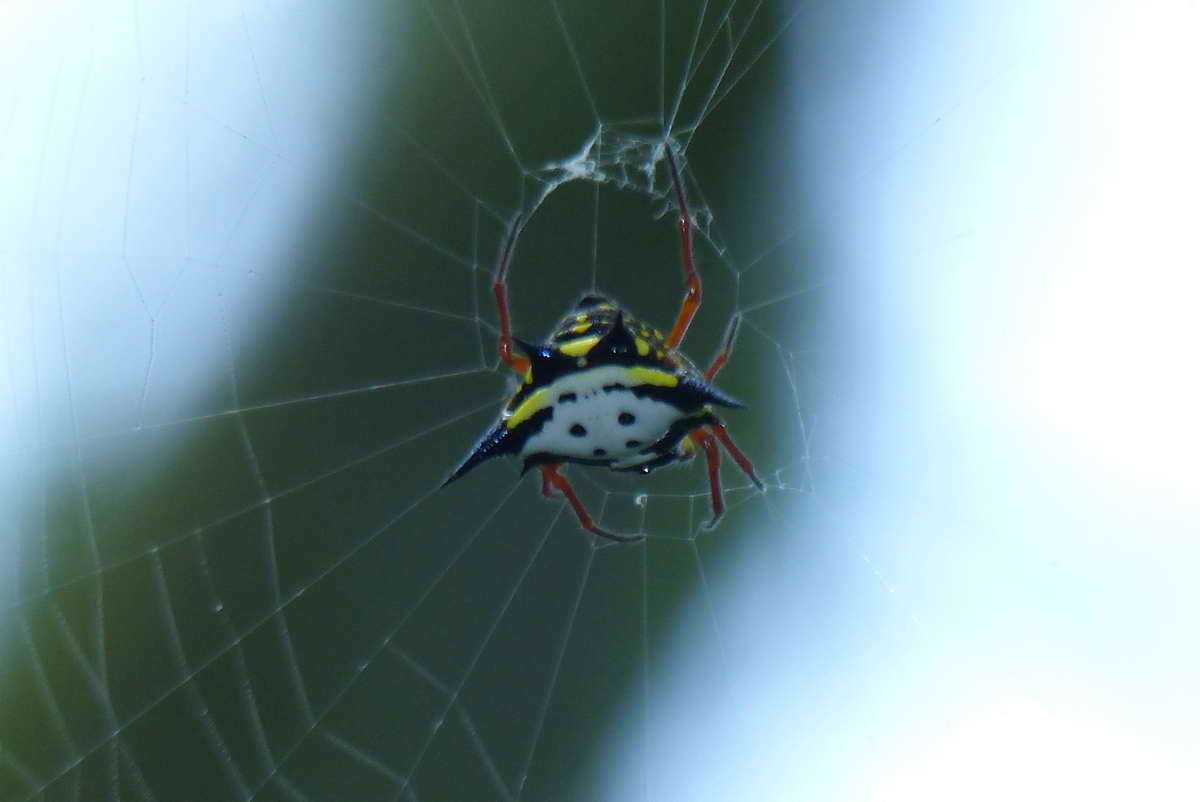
x: 608, y: 390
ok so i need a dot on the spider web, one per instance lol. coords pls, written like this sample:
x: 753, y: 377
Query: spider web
x: 253, y: 331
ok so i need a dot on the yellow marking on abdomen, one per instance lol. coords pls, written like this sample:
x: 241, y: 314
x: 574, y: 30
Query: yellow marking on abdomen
x: 643, y: 347
x: 578, y: 347
x: 659, y: 378
x: 535, y: 401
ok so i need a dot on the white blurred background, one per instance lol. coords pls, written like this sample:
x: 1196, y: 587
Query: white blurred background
x: 1016, y: 431
x: 988, y: 591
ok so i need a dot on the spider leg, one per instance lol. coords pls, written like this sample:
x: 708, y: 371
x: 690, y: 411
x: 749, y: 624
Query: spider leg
x: 712, y: 457
x: 551, y: 476
x: 726, y: 348
x: 718, y: 429
x: 500, y: 290
x: 691, y: 279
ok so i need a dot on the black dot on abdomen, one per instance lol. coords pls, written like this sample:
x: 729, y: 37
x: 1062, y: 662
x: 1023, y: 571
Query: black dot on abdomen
x: 626, y: 419
x: 599, y: 452
x: 577, y: 430
x: 632, y: 443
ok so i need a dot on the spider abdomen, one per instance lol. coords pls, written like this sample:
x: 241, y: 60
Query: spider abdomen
x: 597, y: 417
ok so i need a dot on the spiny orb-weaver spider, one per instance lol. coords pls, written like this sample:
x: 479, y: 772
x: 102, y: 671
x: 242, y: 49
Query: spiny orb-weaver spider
x: 608, y: 390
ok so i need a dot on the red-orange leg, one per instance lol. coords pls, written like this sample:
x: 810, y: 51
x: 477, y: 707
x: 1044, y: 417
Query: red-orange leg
x: 726, y: 348
x: 735, y: 452
x: 551, y: 476
x: 712, y: 458
x: 691, y: 279
x: 500, y: 290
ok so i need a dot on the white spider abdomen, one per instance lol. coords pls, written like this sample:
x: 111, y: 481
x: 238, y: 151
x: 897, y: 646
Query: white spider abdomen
x: 598, y: 417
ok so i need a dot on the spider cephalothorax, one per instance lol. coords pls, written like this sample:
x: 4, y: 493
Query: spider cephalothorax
x: 607, y: 390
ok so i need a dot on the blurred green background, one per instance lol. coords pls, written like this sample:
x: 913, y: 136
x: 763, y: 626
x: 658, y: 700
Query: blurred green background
x: 261, y: 335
